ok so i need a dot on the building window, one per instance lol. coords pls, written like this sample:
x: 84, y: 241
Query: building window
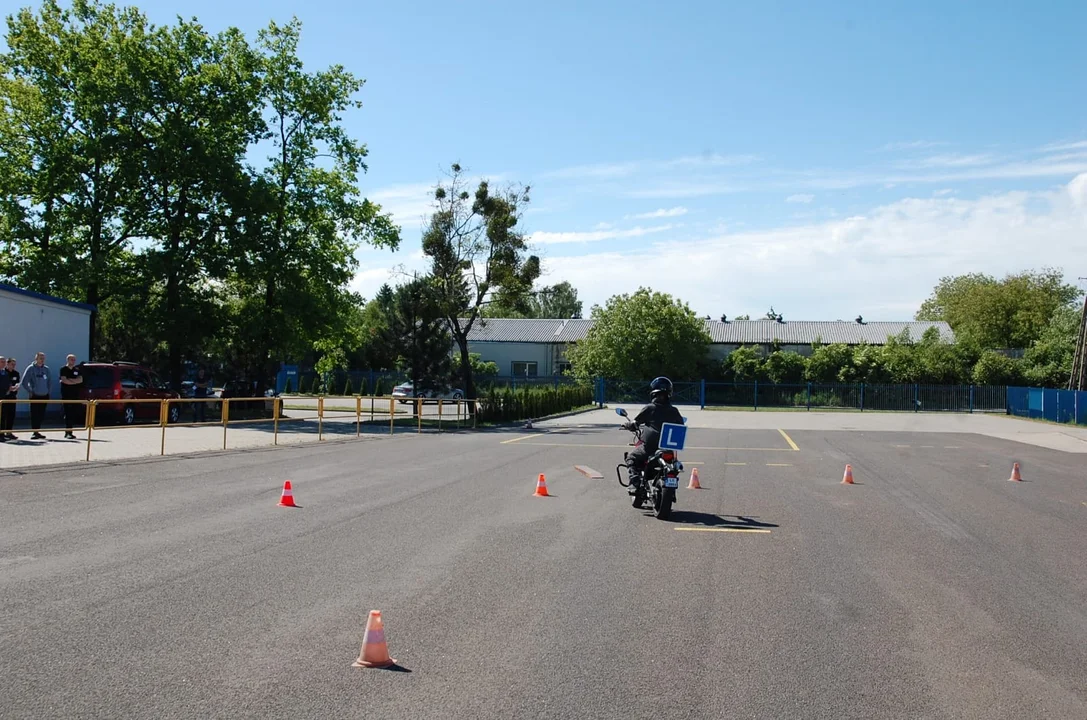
x: 562, y: 367
x: 524, y: 369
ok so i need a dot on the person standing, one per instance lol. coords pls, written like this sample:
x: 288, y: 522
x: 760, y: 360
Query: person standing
x: 71, y: 383
x: 201, y: 388
x: 7, y: 418
x: 38, y: 384
x: 5, y: 386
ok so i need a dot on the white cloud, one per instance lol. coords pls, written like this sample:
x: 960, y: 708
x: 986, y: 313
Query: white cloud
x: 609, y: 171
x: 662, y: 213
x: 557, y: 238
x: 881, y: 264
x: 1060, y: 147
x: 408, y: 204
x: 599, y: 171
x: 800, y: 198
x: 912, y: 145
x: 950, y: 160
x: 943, y: 191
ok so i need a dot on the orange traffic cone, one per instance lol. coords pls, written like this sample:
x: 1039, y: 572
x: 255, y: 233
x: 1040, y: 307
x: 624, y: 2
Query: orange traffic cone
x: 693, y: 485
x: 1016, y: 477
x: 375, y: 651
x: 287, y: 498
x: 541, y: 487
x: 848, y: 479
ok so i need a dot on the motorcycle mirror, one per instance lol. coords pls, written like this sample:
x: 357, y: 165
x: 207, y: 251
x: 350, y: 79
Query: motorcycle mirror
x: 620, y: 411
x: 684, y: 421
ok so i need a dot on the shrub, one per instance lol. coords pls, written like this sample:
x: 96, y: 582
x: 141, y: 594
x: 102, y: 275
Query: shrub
x: 508, y: 405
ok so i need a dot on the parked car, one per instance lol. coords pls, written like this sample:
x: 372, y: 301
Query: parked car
x: 404, y: 392
x: 121, y: 382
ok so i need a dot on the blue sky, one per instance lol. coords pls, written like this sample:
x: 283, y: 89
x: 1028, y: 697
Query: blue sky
x: 827, y: 158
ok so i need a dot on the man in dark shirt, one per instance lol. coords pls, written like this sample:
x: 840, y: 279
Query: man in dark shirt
x: 71, y: 384
x: 648, y: 422
x: 7, y: 417
x: 5, y: 386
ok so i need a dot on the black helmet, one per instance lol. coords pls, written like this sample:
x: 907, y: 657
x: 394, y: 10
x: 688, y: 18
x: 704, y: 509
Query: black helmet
x: 660, y: 386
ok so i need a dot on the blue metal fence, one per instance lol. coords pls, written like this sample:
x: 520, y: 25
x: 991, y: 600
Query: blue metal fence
x: 836, y: 396
x: 1060, y: 406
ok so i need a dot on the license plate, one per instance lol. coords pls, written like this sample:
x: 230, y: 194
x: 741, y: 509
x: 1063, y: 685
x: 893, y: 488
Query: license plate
x: 671, y: 482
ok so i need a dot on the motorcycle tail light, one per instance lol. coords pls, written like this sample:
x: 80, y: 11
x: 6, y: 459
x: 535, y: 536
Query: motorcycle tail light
x: 668, y: 456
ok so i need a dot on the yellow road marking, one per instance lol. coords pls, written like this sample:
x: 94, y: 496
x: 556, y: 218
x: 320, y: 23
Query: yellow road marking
x: 1085, y: 504
x: 901, y: 446
x: 523, y: 437
x: 928, y: 447
x: 735, y: 464
x: 779, y: 464
x: 952, y: 447
x: 789, y: 440
x: 712, y: 529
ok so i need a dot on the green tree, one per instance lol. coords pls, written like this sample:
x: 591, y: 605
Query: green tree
x: 477, y: 254
x: 1048, y: 362
x: 785, y: 367
x: 69, y: 102
x: 827, y: 361
x: 416, y: 330
x: 479, y: 368
x: 373, y: 350
x: 205, y: 112
x: 997, y: 314
x: 293, y: 245
x: 744, y: 364
x: 555, y: 301
x: 640, y: 336
x: 994, y: 368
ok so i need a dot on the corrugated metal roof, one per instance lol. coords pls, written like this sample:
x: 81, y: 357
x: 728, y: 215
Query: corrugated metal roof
x: 736, y: 332
x: 515, y: 330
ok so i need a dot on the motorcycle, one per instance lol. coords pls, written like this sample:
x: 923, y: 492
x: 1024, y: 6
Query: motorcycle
x: 660, y: 477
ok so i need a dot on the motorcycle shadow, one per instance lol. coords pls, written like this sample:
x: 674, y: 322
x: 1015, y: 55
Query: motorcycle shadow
x: 693, y: 517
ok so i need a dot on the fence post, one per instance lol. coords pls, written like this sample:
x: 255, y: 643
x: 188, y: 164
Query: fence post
x: 862, y: 397
x: 320, y: 418
x: 226, y: 419
x: 277, y: 405
x: 809, y: 397
x: 756, y: 395
x: 702, y: 394
x: 916, y: 397
x: 971, y: 399
x: 90, y: 425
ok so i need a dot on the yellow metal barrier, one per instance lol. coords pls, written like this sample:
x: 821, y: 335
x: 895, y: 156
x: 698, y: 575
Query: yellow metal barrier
x: 170, y: 413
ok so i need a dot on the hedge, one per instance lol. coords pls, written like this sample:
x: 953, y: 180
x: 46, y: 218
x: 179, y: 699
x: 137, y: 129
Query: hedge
x: 507, y: 405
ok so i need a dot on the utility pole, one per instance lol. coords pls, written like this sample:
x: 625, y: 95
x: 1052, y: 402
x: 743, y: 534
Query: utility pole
x: 1078, y: 380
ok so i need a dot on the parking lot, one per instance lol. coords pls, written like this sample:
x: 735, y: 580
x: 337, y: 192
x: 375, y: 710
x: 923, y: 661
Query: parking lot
x: 934, y: 586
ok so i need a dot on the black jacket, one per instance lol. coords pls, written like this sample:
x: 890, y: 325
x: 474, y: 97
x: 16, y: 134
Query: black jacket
x: 650, y: 419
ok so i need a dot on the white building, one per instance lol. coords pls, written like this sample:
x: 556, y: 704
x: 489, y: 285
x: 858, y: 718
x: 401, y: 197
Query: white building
x: 31, y: 322
x: 537, y: 348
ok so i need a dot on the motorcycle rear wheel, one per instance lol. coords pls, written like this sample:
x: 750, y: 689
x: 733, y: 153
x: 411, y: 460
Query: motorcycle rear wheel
x: 662, y: 506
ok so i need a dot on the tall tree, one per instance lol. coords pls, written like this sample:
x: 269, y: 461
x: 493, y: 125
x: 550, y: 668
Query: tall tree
x: 304, y: 217
x: 999, y: 314
x: 203, y: 113
x: 640, y: 336
x: 71, y: 170
x: 477, y: 254
x: 418, y: 332
x: 555, y: 301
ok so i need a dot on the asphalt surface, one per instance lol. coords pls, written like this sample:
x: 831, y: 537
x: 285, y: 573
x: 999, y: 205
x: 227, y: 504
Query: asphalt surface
x: 177, y: 588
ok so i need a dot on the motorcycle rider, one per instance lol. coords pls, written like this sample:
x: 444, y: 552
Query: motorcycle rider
x: 648, y: 423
